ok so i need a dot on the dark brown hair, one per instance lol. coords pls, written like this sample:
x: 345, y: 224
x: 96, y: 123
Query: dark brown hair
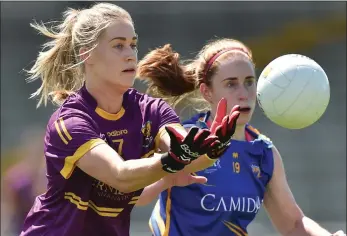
x: 173, y: 80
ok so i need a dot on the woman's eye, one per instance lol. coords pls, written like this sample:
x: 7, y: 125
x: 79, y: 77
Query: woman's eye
x: 250, y: 82
x: 119, y: 46
x: 230, y: 84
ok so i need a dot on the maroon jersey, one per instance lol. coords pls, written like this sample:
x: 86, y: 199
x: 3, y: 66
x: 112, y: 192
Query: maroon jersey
x: 76, y: 203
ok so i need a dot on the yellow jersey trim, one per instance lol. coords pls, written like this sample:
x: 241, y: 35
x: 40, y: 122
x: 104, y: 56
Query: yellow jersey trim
x: 253, y: 129
x: 168, y: 212
x: 59, y: 133
x: 235, y: 229
x: 110, y: 116
x: 83, y: 205
x: 134, y: 200
x: 158, y: 219
x: 70, y: 161
x: 150, y: 226
x: 62, y: 124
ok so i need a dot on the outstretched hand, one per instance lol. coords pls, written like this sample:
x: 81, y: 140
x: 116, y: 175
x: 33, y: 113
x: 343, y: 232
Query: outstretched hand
x: 223, y: 126
x: 182, y: 179
x: 221, y: 114
x: 184, y: 150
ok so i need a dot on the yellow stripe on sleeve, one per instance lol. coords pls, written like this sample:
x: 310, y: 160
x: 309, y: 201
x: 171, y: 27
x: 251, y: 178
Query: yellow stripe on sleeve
x: 64, y: 128
x: 79, y: 203
x: 59, y: 132
x: 70, y: 161
x: 83, y: 205
x: 108, y: 209
x: 134, y: 200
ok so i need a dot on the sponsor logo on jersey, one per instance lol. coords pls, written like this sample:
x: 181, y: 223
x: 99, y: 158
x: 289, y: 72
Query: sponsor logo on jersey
x: 146, y: 132
x: 256, y: 170
x: 116, y: 133
x: 212, y: 202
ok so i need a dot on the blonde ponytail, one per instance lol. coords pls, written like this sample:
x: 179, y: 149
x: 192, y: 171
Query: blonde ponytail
x: 58, y: 64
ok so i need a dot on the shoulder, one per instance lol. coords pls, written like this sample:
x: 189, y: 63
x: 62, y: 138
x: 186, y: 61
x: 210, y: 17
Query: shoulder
x: 258, y: 136
x: 152, y: 108
x: 70, y: 120
x: 261, y: 149
x: 143, y: 100
x: 70, y: 117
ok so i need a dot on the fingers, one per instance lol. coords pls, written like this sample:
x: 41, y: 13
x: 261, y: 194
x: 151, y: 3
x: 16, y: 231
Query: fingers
x: 224, y: 125
x: 221, y: 110
x: 233, y: 116
x: 174, y: 135
x: 232, y: 120
x: 204, y: 138
x: 192, y: 133
x: 220, y: 114
x: 215, y: 144
x: 222, y: 129
x: 201, y: 135
x: 235, y: 108
x: 198, y: 179
x: 209, y: 141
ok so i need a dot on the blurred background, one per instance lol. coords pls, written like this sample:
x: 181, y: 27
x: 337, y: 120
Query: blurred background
x: 314, y: 158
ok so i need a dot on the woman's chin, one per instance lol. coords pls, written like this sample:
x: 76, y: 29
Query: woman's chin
x: 243, y: 120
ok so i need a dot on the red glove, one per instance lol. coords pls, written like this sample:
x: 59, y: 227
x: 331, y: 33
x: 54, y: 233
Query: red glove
x: 223, y: 126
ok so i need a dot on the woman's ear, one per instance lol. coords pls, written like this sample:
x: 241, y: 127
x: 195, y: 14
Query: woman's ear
x: 206, y: 92
x: 85, y: 55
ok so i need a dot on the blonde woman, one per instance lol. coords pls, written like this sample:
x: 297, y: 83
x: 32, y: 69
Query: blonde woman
x: 98, y: 140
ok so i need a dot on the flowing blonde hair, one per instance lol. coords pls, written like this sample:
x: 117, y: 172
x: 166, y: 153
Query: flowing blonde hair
x: 58, y: 64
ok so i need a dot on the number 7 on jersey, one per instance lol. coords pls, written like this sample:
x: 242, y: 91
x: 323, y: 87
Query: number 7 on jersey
x: 120, y: 145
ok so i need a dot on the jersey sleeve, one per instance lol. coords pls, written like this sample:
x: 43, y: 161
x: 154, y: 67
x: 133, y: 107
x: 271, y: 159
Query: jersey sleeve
x: 167, y: 116
x: 68, y: 138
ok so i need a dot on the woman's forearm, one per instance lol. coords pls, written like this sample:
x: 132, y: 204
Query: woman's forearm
x: 151, y: 192
x: 137, y: 174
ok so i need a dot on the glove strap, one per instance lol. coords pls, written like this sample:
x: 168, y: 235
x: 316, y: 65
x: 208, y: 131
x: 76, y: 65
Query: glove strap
x: 171, y: 163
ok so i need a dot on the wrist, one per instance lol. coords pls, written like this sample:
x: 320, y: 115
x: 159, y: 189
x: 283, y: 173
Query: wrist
x: 170, y: 164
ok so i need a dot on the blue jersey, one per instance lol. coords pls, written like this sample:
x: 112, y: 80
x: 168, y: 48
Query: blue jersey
x: 231, y: 198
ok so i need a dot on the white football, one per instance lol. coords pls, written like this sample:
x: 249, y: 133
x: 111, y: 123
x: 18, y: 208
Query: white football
x: 293, y: 91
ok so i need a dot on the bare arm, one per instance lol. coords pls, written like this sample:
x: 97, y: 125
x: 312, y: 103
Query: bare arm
x: 151, y: 192
x: 104, y: 164
x: 280, y: 204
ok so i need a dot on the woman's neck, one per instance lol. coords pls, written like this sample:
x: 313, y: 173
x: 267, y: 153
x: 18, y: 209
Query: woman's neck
x: 240, y: 133
x: 108, y: 97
